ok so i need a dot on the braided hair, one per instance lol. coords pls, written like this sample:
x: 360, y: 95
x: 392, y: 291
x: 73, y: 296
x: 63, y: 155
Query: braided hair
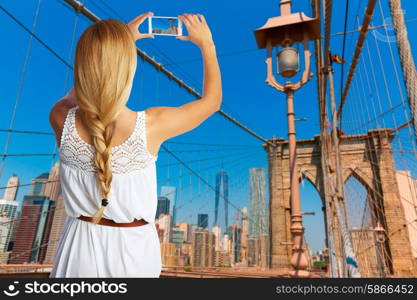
x: 105, y: 65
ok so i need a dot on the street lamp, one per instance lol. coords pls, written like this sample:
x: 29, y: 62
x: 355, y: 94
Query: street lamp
x: 284, y: 31
x: 288, y: 60
x: 380, y: 235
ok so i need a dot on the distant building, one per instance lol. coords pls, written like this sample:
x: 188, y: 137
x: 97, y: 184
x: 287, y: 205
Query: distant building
x: 164, y: 222
x: 13, y: 229
x: 244, y: 237
x: 39, y: 184
x: 168, y: 254
x: 221, y: 192
x: 258, y: 251
x: 226, y: 244
x: 222, y: 259
x: 185, y: 227
x: 217, y: 237
x: 12, y: 187
x: 321, y: 256
x: 8, y: 209
x: 33, y: 229
x: 4, y: 231
x: 202, y: 220
x: 203, y: 252
x: 163, y: 206
x: 186, y: 252
x: 264, y: 251
x: 170, y: 192
x: 258, y: 212
x: 235, y: 239
x: 253, y: 251
x: 53, y: 192
x: 177, y: 237
x: 52, y: 186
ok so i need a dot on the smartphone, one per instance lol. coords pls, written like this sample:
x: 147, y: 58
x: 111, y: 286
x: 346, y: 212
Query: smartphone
x: 165, y: 26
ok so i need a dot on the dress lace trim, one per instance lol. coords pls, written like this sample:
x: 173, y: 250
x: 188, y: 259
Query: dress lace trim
x: 129, y: 156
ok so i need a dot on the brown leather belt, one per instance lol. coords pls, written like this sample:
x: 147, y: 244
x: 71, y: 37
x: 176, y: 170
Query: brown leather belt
x: 108, y: 222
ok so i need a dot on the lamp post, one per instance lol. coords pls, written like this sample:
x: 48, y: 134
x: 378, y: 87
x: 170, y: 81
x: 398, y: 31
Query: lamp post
x: 380, y: 235
x: 284, y: 31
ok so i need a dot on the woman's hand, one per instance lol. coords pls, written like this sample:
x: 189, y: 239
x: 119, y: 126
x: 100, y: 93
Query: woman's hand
x: 198, y: 31
x: 134, y: 26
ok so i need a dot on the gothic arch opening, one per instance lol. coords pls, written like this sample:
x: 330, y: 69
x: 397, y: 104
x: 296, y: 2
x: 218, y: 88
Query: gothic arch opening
x: 311, y: 201
x: 357, y: 202
x: 359, y: 217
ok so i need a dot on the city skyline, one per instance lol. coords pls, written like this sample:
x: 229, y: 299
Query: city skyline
x: 173, y: 191
x: 42, y: 222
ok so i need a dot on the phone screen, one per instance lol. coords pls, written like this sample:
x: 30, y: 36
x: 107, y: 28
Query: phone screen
x: 165, y: 26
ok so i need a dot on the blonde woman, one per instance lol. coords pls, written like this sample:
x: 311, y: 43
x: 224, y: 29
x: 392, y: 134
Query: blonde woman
x: 108, y: 152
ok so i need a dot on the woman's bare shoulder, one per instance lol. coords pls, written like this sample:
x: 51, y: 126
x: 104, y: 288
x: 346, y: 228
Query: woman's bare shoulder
x: 58, y: 114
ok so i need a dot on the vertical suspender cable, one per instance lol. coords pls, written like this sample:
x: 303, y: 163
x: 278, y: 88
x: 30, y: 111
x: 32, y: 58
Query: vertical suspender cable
x: 364, y: 30
x: 406, y: 57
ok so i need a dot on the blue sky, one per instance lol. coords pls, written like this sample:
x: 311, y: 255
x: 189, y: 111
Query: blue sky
x: 246, y: 96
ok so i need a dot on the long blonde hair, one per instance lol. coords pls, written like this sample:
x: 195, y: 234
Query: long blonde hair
x: 105, y: 64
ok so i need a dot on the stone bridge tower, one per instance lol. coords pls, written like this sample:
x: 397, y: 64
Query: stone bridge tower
x: 366, y: 157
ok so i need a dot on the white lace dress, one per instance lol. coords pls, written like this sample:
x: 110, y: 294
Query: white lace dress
x: 87, y: 250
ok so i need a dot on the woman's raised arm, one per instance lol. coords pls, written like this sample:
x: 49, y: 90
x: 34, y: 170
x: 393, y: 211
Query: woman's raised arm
x: 167, y: 122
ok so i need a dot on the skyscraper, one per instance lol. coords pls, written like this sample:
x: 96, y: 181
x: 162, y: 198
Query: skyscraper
x: 253, y: 251
x: 217, y: 234
x: 53, y: 191
x: 226, y: 244
x: 202, y: 220
x: 8, y: 209
x: 56, y: 229
x: 171, y: 193
x: 33, y: 230
x: 4, y: 231
x: 203, y: 252
x: 222, y: 192
x: 235, y: 238
x: 11, y: 189
x: 163, y: 206
x: 258, y: 221
x: 39, y: 184
x: 245, y: 233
